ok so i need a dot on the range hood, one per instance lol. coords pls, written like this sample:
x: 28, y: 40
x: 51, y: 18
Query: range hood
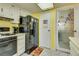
x: 5, y: 18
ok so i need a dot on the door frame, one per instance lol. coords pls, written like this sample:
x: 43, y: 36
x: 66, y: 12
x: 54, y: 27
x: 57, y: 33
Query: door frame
x: 56, y: 30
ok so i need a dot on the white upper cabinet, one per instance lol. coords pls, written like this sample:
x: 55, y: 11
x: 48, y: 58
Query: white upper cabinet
x: 15, y: 14
x: 1, y: 10
x: 12, y: 11
x: 6, y: 11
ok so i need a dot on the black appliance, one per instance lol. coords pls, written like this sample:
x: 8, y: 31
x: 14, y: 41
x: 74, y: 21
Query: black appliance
x: 29, y: 25
x: 21, y: 30
x: 22, y: 25
x: 4, y: 29
x: 8, y: 46
x: 15, y: 30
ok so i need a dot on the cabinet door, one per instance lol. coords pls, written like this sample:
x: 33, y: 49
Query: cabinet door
x: 1, y: 10
x: 11, y: 12
x: 21, y: 44
x: 6, y: 11
x: 74, y: 49
x: 15, y: 14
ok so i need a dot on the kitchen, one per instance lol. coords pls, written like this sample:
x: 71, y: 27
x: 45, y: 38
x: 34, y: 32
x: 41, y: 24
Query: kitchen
x: 14, y: 31
x: 46, y: 29
x: 39, y: 29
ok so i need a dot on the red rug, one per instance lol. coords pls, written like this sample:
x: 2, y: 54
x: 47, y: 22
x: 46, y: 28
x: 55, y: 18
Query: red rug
x: 37, y: 51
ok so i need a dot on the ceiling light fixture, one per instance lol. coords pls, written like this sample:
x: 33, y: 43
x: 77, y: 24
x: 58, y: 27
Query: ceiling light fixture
x: 45, y: 6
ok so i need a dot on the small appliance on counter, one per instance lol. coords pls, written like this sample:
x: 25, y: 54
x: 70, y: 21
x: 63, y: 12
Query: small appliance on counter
x: 15, y: 30
x: 21, y: 30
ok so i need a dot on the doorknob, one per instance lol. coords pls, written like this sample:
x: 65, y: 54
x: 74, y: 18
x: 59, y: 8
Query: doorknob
x: 75, y: 31
x: 48, y: 30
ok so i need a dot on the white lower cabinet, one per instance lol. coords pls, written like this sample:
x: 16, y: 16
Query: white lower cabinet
x: 21, y: 51
x: 20, y: 44
x: 74, y: 48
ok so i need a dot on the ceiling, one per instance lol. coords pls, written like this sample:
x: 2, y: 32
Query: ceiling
x: 56, y: 5
x: 33, y: 7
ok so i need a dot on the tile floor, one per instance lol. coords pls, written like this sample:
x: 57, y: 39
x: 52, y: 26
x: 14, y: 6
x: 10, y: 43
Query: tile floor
x: 63, y: 39
x: 60, y: 53
x: 48, y: 52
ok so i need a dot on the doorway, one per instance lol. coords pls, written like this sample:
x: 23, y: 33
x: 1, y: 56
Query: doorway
x: 65, y: 28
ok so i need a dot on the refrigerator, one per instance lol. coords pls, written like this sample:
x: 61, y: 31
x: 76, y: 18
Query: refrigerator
x: 30, y: 26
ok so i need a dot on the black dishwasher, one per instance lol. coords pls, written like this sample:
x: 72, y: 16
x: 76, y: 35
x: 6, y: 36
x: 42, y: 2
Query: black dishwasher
x: 8, y: 46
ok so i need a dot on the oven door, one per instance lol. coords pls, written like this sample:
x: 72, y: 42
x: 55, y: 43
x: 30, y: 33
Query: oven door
x: 8, y: 48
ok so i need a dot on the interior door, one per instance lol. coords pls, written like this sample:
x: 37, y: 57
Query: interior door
x: 65, y: 24
x: 44, y: 24
x: 76, y: 22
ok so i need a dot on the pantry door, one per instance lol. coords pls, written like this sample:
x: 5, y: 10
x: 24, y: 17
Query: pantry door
x: 44, y: 27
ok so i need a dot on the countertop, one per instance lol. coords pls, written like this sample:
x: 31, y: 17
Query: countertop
x: 12, y: 35
x: 75, y: 41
